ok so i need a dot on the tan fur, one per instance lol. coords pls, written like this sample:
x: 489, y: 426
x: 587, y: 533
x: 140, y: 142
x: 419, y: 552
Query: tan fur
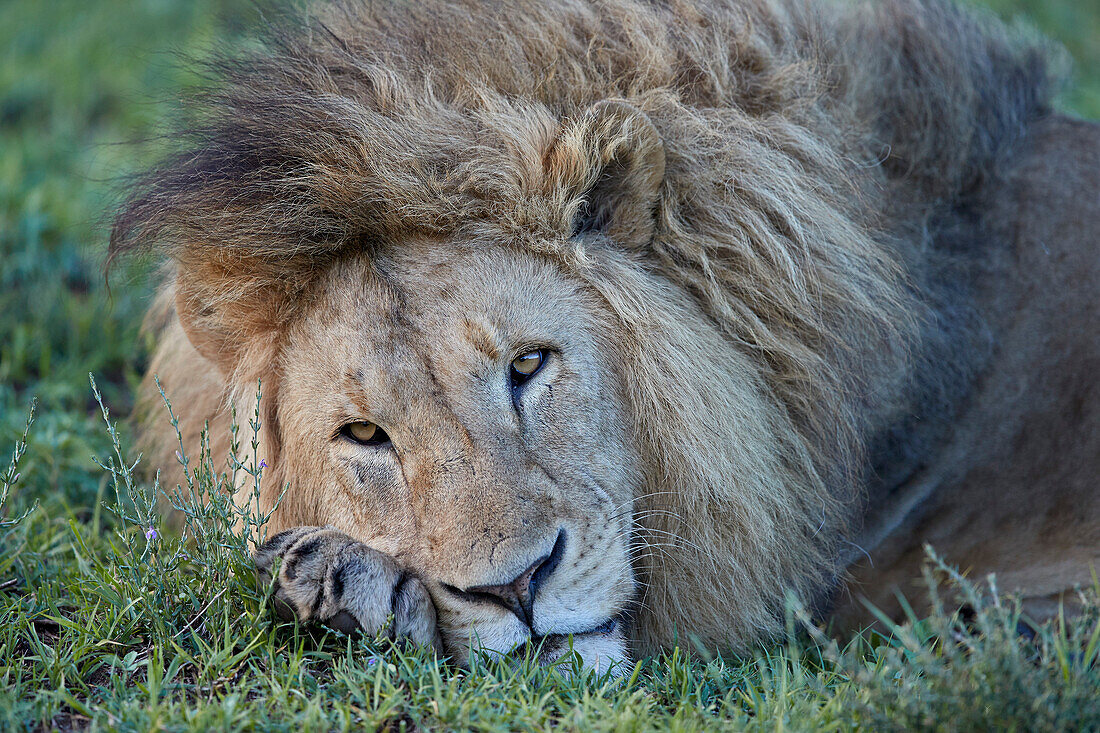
x: 731, y: 221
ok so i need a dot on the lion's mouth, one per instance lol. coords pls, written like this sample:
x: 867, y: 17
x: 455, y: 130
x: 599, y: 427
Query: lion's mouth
x: 604, y: 629
x: 600, y: 647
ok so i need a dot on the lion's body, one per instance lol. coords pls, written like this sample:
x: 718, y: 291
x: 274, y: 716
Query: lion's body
x: 1012, y: 489
x: 798, y: 299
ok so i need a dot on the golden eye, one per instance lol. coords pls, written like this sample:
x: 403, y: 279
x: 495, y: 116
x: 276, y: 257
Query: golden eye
x: 524, y: 366
x: 365, y: 432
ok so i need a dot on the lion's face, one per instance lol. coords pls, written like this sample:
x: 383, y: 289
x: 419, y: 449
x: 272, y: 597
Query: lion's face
x: 461, y: 409
x: 567, y: 376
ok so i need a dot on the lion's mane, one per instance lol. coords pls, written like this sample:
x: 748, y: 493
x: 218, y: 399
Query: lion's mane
x: 815, y: 154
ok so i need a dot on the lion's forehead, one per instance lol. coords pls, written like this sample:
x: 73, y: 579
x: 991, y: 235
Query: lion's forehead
x: 395, y: 320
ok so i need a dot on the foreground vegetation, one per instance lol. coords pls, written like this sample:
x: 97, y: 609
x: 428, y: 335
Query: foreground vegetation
x: 109, y: 620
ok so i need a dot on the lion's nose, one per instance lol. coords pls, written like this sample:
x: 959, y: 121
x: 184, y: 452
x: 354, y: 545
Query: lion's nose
x: 518, y: 596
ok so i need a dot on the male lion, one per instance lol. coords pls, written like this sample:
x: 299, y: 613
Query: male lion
x: 620, y: 320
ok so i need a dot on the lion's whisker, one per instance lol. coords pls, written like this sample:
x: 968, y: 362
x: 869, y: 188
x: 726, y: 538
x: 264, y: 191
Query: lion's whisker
x: 640, y: 497
x: 680, y: 538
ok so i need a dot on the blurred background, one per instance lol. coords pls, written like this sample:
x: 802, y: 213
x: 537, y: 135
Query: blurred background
x: 85, y: 88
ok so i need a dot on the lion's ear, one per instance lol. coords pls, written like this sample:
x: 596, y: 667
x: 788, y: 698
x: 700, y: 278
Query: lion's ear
x: 232, y: 315
x: 612, y: 161
x: 234, y: 310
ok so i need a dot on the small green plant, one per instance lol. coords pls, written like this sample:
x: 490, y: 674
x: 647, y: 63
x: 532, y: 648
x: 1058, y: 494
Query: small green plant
x: 224, y: 520
x: 9, y: 548
x: 11, y: 477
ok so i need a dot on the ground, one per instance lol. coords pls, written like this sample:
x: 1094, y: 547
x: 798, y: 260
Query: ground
x: 109, y: 620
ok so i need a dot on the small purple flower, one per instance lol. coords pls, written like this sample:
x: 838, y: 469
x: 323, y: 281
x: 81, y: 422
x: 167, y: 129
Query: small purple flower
x: 263, y: 463
x: 150, y: 534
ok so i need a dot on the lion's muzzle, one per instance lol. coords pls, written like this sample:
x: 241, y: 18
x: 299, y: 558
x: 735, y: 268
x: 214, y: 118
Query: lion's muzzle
x: 548, y: 607
x: 518, y: 595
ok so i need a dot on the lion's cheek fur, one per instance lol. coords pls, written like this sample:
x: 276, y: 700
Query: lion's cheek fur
x: 722, y: 449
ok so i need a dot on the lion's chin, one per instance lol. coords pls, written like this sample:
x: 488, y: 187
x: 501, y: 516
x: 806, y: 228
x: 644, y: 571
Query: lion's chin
x: 600, y: 650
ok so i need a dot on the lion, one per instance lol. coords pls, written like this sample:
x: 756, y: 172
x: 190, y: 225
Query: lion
x: 595, y: 326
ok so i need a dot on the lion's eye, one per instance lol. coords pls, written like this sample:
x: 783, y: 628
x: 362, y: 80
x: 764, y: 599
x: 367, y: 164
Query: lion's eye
x: 365, y: 433
x: 526, y: 365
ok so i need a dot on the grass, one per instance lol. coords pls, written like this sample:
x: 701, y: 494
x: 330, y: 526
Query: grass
x: 104, y: 625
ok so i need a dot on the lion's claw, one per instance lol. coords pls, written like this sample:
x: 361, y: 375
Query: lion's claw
x: 329, y: 578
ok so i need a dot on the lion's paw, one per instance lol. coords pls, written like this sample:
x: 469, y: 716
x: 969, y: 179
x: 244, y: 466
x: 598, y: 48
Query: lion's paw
x: 329, y: 578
